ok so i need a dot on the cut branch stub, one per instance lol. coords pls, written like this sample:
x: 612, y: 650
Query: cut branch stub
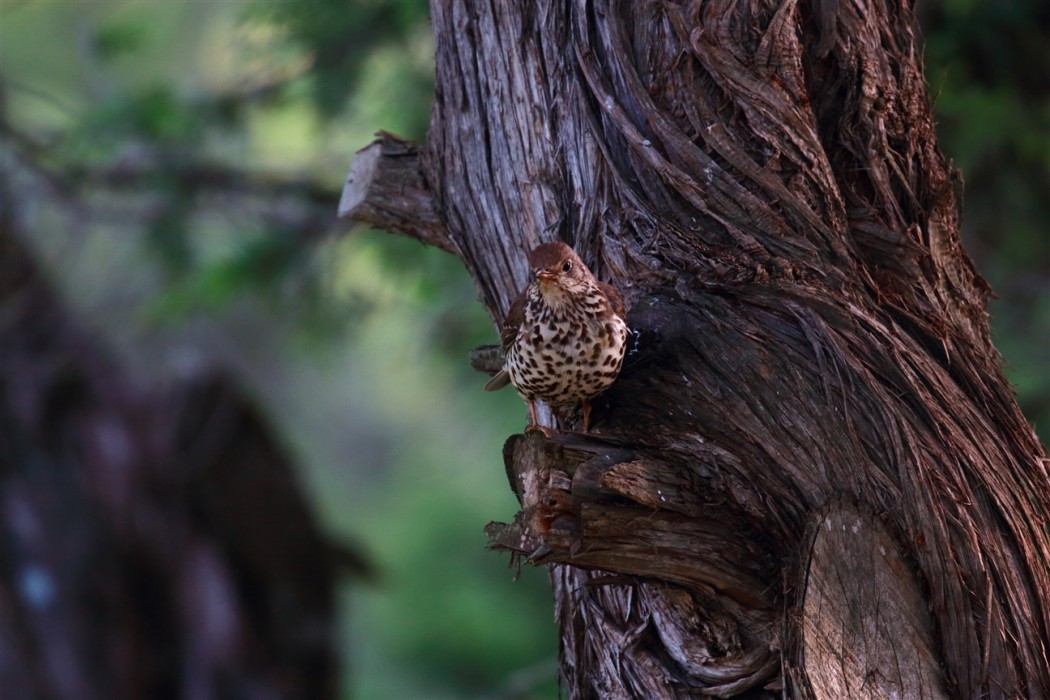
x: 853, y: 648
x: 386, y: 189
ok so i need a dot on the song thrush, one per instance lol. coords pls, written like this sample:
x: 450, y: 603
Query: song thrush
x: 564, y: 336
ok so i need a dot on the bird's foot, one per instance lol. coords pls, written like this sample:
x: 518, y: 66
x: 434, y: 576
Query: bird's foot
x: 534, y: 424
x: 547, y: 432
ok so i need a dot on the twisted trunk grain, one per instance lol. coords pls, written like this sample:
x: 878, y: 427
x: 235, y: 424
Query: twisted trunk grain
x: 813, y: 395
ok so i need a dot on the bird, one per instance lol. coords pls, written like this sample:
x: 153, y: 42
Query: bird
x: 563, y: 338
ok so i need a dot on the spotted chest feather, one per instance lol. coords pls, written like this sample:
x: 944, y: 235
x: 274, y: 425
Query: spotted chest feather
x: 566, y: 353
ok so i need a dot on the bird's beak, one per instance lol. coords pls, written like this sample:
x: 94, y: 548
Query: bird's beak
x: 545, y: 275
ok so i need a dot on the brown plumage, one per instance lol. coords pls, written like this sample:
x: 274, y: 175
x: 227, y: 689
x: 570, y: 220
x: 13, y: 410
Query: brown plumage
x: 564, y: 336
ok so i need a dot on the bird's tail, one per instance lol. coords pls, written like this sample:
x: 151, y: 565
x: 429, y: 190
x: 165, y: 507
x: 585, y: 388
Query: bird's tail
x: 499, y: 381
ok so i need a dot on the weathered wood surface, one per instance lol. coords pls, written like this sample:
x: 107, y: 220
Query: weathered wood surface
x: 385, y: 188
x: 761, y: 180
x: 862, y: 598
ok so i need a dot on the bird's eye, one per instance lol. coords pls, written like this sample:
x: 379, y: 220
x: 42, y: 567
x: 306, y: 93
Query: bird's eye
x: 566, y: 266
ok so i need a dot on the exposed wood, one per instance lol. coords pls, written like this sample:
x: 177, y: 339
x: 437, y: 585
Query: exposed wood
x: 386, y: 189
x: 866, y: 632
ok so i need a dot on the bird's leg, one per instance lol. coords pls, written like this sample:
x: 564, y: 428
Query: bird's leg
x: 534, y: 424
x: 586, y: 408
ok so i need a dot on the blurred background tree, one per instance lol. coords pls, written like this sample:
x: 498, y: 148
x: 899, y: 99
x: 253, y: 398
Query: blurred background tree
x: 181, y: 164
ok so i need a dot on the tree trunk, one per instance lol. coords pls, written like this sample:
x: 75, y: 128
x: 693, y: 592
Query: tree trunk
x: 811, y: 477
x: 152, y: 544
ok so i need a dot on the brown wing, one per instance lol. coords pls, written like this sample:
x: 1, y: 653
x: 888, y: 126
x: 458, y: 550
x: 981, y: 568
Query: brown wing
x: 507, y: 333
x: 615, y: 300
x: 509, y: 330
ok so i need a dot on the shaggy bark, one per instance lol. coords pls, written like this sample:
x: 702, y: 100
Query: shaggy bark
x: 152, y: 545
x: 811, y: 476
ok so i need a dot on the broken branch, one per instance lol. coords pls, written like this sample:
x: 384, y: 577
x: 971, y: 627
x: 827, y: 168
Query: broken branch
x: 386, y: 189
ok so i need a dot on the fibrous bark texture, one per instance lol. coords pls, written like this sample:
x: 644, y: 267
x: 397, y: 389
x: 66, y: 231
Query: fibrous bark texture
x: 152, y: 544
x: 761, y: 181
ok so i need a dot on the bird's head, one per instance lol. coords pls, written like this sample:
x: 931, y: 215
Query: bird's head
x: 558, y: 270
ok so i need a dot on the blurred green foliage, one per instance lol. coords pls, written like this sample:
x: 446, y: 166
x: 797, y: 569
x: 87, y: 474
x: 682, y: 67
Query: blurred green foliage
x: 988, y: 65
x: 343, y: 42
x: 187, y: 157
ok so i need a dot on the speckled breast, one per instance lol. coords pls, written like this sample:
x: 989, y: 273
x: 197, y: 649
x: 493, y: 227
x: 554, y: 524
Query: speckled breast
x: 568, y: 355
